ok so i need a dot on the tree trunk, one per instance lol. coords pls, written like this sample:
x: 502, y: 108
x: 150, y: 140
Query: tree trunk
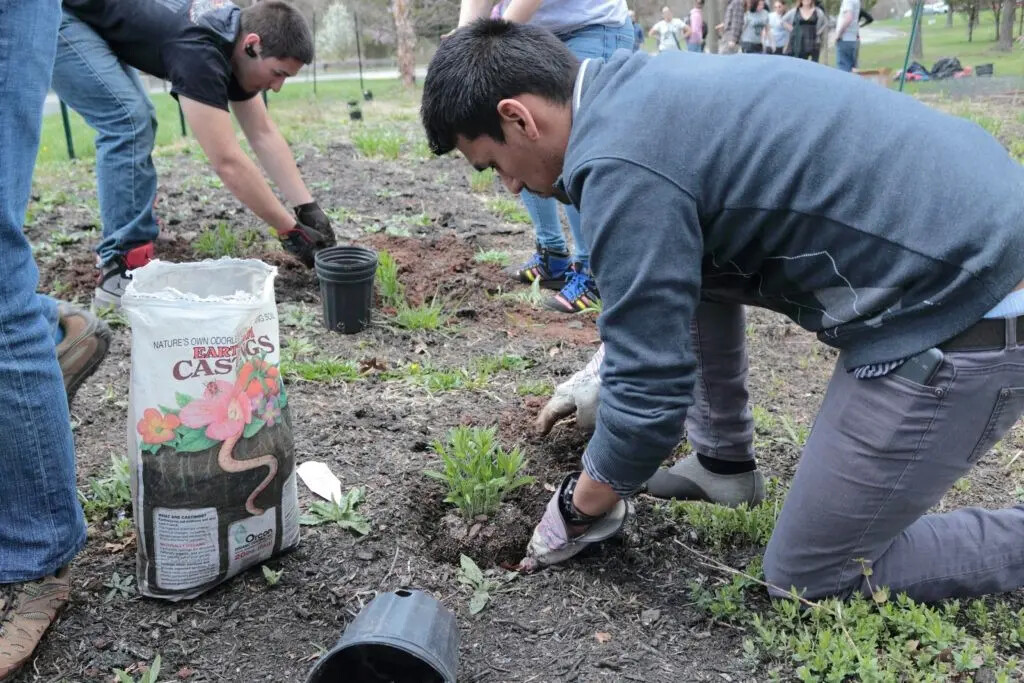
x: 1006, y: 27
x: 972, y: 19
x: 405, y: 37
x: 917, y: 51
x: 949, y: 17
x: 997, y: 10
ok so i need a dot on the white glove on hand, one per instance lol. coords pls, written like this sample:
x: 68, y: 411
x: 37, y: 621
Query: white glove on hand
x: 577, y: 394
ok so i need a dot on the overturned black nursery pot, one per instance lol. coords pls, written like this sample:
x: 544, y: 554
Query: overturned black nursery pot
x: 346, y: 287
x: 404, y: 636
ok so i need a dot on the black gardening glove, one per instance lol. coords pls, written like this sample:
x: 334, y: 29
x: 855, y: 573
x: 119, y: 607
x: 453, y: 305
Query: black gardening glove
x: 311, y: 215
x: 303, y: 242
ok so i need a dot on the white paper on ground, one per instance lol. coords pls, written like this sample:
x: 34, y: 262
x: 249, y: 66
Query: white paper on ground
x: 319, y: 479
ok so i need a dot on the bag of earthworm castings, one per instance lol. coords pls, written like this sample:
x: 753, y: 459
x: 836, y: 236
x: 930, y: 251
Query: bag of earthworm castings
x: 209, y: 431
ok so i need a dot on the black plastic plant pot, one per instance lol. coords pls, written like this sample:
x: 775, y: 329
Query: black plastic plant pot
x: 346, y: 287
x: 356, y: 115
x: 403, y: 636
x: 367, y: 95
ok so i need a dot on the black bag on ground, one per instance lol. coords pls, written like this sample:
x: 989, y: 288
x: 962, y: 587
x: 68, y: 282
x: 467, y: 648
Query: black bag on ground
x: 946, y: 67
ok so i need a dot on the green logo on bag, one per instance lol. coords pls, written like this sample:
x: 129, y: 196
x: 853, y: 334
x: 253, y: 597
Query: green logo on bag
x: 240, y: 534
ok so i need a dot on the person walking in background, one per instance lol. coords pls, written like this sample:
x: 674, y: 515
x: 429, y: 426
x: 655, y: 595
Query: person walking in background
x: 590, y: 29
x: 847, y: 35
x: 638, y: 32
x: 807, y: 26
x: 695, y: 31
x: 731, y: 28
x: 755, y: 27
x: 778, y: 34
x: 667, y: 30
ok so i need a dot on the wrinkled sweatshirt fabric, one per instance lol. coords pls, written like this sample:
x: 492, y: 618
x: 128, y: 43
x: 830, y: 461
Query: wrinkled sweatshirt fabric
x: 882, y: 225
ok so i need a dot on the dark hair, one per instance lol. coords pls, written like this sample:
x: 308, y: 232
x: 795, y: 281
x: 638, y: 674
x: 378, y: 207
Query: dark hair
x: 282, y: 29
x: 483, y: 63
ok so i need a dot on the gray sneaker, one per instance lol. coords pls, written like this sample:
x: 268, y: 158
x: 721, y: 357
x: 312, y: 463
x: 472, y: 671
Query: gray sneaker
x: 688, y: 480
x: 114, y: 276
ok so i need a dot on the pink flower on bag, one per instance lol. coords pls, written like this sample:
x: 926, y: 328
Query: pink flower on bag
x: 224, y: 410
x: 271, y: 412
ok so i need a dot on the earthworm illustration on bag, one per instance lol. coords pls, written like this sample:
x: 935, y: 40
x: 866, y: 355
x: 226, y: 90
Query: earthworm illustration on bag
x: 209, y: 433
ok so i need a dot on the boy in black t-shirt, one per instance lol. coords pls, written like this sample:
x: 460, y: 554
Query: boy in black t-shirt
x: 217, y: 57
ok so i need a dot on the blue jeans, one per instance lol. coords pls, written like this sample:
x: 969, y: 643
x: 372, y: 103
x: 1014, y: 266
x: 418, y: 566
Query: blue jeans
x: 846, y: 54
x: 694, y: 47
x: 41, y: 525
x: 108, y: 94
x: 589, y: 41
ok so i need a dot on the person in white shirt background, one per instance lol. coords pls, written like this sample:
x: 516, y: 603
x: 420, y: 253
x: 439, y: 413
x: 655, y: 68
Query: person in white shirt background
x: 668, y: 31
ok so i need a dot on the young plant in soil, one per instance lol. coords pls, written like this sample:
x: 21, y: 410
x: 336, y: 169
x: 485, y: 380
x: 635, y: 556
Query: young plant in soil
x: 494, y: 257
x: 342, y: 513
x: 150, y: 676
x: 507, y: 209
x: 326, y: 370
x: 535, y: 387
x: 110, y: 496
x: 483, y: 584
x: 477, y: 471
x: 429, y: 316
x: 482, y: 181
x: 377, y: 143
x: 223, y: 241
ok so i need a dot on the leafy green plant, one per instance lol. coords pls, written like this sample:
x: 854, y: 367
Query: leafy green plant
x: 428, y: 316
x: 342, y: 513
x: 378, y: 143
x: 223, y: 241
x: 477, y: 471
x: 272, y: 577
x: 508, y: 209
x: 327, y: 370
x: 719, y: 526
x: 150, y: 675
x: 483, y: 585
x: 392, y: 291
x: 505, y: 362
x: 295, y: 348
x: 108, y: 496
x: 531, y: 296
x: 112, y: 315
x: 119, y: 585
x: 535, y: 387
x: 494, y: 257
x: 300, y: 317
x: 482, y: 181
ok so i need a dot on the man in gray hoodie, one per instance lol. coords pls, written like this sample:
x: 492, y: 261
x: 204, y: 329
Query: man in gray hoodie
x: 894, y: 232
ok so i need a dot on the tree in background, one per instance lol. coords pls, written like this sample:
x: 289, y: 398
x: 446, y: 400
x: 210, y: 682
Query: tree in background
x: 1004, y: 26
x: 405, y: 40
x: 335, y: 35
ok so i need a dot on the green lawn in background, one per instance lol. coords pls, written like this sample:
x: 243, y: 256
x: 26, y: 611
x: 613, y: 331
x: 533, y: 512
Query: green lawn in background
x: 940, y: 41
x: 282, y: 108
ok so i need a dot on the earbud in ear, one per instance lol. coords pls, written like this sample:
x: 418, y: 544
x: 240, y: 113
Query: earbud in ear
x: 251, y: 51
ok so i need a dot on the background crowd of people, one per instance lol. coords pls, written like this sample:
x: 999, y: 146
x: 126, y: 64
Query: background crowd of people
x: 751, y: 26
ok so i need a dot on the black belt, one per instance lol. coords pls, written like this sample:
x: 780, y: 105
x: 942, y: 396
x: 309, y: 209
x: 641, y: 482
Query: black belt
x: 985, y: 335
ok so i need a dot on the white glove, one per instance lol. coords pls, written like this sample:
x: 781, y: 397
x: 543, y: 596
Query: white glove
x: 577, y: 394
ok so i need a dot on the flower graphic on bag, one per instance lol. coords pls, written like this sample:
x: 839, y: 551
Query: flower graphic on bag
x: 157, y: 428
x: 224, y: 410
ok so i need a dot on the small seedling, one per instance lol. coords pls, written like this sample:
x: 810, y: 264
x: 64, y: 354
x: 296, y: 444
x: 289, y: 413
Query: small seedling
x: 110, y: 495
x: 112, y: 315
x: 150, y: 676
x: 719, y: 526
x: 490, y: 365
x: 508, y: 209
x: 223, y: 241
x: 295, y: 349
x: 482, y: 584
x: 377, y: 143
x: 535, y: 387
x: 270, y: 576
x: 342, y: 513
x: 299, y: 317
x: 482, y: 181
x: 493, y: 257
x: 429, y: 316
x: 477, y: 471
x: 392, y: 291
x: 119, y: 585
x: 327, y: 370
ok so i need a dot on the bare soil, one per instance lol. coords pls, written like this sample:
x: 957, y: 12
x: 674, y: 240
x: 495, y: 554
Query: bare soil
x: 580, y: 622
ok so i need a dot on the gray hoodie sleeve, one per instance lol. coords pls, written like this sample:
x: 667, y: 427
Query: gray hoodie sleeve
x: 646, y: 248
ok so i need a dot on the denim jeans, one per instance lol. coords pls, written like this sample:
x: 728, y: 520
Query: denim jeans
x: 846, y: 55
x: 589, y: 41
x: 41, y: 525
x: 881, y: 454
x: 694, y: 47
x: 109, y: 95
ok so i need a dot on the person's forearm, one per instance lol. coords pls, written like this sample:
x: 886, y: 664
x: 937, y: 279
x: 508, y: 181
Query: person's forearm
x: 471, y: 10
x: 521, y: 11
x: 276, y: 158
x: 592, y: 497
x: 240, y: 175
x: 844, y: 23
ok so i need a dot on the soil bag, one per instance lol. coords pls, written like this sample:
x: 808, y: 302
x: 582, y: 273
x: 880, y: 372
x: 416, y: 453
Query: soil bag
x: 209, y: 431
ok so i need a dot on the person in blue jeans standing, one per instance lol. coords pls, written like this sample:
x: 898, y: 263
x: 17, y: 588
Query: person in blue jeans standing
x: 847, y: 30
x: 47, y: 349
x: 216, y: 56
x: 589, y: 28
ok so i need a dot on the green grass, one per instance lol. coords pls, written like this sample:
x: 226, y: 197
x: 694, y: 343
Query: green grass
x: 293, y: 110
x: 535, y: 387
x: 326, y: 370
x: 428, y: 316
x: 493, y: 256
x: 482, y: 181
x: 223, y: 241
x: 940, y: 41
x: 508, y: 209
x: 378, y: 143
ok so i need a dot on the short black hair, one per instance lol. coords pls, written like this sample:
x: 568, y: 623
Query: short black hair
x: 284, y: 33
x: 483, y: 63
